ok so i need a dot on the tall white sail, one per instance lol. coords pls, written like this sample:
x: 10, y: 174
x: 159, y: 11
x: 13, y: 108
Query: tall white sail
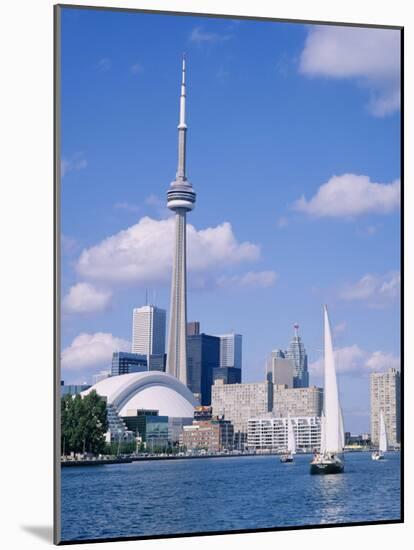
x: 383, y: 435
x: 323, y: 434
x: 333, y: 417
x: 291, y: 441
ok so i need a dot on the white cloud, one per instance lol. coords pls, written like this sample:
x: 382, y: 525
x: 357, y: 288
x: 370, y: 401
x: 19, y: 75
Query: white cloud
x: 91, y: 350
x: 370, y: 56
x: 283, y: 222
x: 85, y: 298
x: 376, y: 289
x: 199, y: 36
x: 354, y: 360
x: 380, y: 361
x: 159, y: 206
x: 104, y: 64
x: 73, y: 164
x: 351, y: 195
x: 128, y: 206
x: 260, y: 279
x: 340, y: 328
x: 136, y: 68
x: 142, y: 253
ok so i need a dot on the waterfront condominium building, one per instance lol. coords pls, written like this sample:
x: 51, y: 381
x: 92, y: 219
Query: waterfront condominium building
x: 385, y: 397
x: 297, y: 352
x: 230, y: 350
x: 124, y: 363
x: 280, y: 370
x: 239, y: 402
x: 297, y: 401
x: 203, y: 357
x: 213, y: 436
x: 270, y: 433
x: 148, y: 331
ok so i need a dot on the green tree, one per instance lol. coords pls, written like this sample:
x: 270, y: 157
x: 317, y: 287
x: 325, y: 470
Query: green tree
x: 83, y: 423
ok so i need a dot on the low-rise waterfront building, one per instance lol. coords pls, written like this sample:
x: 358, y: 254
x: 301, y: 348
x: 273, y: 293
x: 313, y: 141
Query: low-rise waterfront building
x: 271, y: 433
x: 203, y: 412
x: 213, y: 435
x: 149, y: 426
x: 175, y: 427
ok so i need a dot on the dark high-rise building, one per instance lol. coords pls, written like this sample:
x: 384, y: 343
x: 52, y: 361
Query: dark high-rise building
x: 124, y: 363
x: 203, y: 355
x: 193, y: 328
x: 229, y: 375
x: 157, y: 361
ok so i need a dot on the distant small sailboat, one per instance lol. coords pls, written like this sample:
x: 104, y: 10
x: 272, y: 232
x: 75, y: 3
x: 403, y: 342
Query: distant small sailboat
x: 291, y: 443
x: 328, y: 459
x: 383, y: 444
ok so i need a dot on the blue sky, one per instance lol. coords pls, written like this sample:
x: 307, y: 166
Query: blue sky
x: 294, y: 152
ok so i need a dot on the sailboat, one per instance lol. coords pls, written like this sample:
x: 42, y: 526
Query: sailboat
x: 379, y: 455
x: 329, y: 460
x: 291, y: 443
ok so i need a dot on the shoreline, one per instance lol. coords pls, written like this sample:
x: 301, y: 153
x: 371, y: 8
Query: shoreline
x: 129, y: 460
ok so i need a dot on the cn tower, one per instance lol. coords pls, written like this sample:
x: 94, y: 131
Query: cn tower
x: 180, y: 199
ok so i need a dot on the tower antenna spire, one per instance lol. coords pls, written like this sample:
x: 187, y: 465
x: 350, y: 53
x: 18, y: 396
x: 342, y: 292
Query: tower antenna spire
x: 182, y: 128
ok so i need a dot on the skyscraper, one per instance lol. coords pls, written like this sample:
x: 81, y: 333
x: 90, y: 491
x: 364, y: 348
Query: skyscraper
x: 180, y: 199
x: 385, y: 397
x: 230, y: 350
x: 126, y: 363
x: 148, y: 330
x: 193, y: 328
x: 229, y: 375
x: 203, y: 358
x: 297, y: 352
x: 279, y: 369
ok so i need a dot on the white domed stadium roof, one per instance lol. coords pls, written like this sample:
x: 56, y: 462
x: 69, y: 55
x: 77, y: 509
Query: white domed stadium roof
x: 147, y: 390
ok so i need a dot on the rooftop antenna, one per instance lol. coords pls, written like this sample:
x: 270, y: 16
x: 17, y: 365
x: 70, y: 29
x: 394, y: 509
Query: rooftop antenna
x: 146, y: 296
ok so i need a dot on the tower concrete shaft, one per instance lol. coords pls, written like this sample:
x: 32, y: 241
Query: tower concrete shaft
x: 180, y: 199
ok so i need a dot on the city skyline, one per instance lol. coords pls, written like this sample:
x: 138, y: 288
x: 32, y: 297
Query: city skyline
x: 256, y: 258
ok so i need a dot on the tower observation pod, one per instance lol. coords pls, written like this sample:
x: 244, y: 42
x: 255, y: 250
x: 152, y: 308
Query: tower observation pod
x: 180, y: 199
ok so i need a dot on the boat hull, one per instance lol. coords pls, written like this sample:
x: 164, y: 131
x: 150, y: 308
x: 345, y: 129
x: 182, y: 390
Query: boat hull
x: 377, y: 456
x: 285, y: 459
x: 325, y: 468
